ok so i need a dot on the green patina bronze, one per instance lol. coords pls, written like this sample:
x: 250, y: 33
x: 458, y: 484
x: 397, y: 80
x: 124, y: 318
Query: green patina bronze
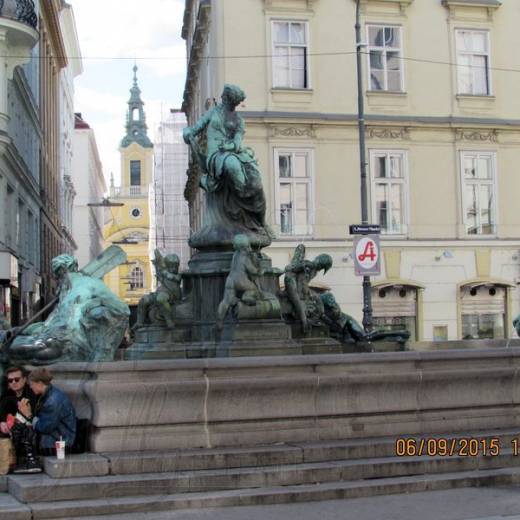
x: 230, y: 177
x: 342, y: 327
x: 158, y: 308
x: 136, y: 128
x: 516, y: 324
x: 242, y: 291
x: 4, y: 323
x: 346, y: 329
x: 88, y: 321
x: 302, y: 303
x: 306, y: 305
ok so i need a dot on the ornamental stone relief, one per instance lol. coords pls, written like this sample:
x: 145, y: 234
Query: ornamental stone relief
x: 379, y: 5
x: 477, y: 135
x: 271, y: 4
x: 471, y: 9
x: 293, y: 131
x: 388, y: 133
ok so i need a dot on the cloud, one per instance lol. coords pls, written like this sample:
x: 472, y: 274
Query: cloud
x: 111, y: 34
x: 104, y: 102
x: 110, y: 29
x: 165, y: 61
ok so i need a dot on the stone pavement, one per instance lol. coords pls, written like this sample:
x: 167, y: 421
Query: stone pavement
x: 456, y: 504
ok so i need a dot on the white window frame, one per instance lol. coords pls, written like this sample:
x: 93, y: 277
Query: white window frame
x: 306, y: 45
x: 403, y: 181
x: 472, y: 54
x: 309, y: 180
x: 137, y: 275
x: 384, y: 50
x: 491, y: 182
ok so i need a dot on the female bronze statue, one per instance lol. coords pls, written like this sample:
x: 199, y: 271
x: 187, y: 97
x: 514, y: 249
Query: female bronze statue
x: 231, y: 179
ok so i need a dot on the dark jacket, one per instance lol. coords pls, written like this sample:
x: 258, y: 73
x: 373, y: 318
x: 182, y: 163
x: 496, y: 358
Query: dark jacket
x: 54, y: 418
x: 9, y: 402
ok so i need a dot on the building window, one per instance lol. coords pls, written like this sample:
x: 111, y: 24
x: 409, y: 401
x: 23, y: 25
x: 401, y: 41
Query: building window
x: 478, y: 192
x: 389, y: 190
x: 293, y: 170
x: 290, y: 55
x: 20, y: 228
x: 440, y: 333
x: 135, y: 173
x: 384, y: 58
x: 31, y: 238
x: 473, y: 73
x: 9, y: 215
x: 483, y: 311
x: 136, y: 279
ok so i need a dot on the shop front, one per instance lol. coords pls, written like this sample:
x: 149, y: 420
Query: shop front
x: 10, y: 296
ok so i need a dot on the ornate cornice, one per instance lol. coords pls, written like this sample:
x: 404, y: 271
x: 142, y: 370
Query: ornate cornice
x: 489, y: 5
x: 186, y: 19
x: 196, y: 51
x: 388, y: 133
x: 68, y: 236
x: 50, y: 16
x: 269, y: 4
x: 482, y: 136
x: 293, y: 131
x: 402, y: 4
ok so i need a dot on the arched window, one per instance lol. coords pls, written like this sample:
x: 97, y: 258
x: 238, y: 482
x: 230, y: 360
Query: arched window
x: 135, y: 114
x: 136, y: 279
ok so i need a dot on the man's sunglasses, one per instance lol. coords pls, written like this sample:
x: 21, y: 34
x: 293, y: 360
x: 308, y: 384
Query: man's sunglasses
x: 13, y: 379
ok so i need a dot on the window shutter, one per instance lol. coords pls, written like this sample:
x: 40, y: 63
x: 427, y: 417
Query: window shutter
x: 395, y: 305
x: 483, y: 302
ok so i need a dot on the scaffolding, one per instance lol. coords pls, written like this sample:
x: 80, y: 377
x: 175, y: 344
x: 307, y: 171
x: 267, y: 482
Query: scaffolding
x: 169, y: 212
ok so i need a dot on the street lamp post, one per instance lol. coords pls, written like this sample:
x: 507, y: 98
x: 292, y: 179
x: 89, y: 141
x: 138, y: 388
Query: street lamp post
x: 105, y: 203
x: 367, y: 297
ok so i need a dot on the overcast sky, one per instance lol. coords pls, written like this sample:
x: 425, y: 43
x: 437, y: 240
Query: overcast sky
x: 112, y: 33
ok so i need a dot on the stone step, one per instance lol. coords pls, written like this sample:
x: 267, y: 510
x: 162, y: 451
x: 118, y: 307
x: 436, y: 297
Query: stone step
x: 126, y: 463
x: 42, y: 488
x: 12, y: 509
x: 132, y: 508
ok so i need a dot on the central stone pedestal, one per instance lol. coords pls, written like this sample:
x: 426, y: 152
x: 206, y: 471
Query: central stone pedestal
x: 169, y: 404
x: 248, y: 330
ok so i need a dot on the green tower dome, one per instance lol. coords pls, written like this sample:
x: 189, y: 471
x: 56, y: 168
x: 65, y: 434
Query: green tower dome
x: 136, y: 129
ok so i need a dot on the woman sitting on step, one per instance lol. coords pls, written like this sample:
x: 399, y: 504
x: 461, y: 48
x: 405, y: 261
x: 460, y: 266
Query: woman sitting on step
x: 53, y: 418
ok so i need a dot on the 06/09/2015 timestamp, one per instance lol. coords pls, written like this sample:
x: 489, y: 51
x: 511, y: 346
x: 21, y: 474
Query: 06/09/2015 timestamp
x: 455, y: 447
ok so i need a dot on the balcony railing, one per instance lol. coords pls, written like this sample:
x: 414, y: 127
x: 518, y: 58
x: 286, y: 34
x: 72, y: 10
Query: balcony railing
x: 19, y: 10
x: 131, y: 191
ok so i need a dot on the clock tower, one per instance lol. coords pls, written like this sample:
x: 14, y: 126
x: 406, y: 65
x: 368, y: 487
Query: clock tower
x: 128, y: 223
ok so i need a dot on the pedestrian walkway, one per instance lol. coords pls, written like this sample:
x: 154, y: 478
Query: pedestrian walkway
x: 456, y: 504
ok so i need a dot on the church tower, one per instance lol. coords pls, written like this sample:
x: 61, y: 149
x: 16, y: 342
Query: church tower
x: 128, y: 224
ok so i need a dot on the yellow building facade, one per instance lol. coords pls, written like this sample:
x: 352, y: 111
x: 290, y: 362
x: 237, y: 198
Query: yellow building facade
x: 128, y: 220
x: 442, y: 145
